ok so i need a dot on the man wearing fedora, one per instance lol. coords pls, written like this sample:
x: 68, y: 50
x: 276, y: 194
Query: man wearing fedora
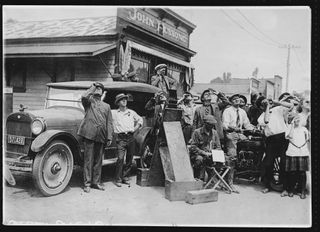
x: 209, y: 108
x: 125, y: 123
x: 234, y: 120
x: 203, y: 140
x: 188, y: 109
x: 96, y: 130
x: 162, y: 81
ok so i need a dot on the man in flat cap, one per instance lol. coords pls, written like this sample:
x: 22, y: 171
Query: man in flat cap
x: 96, y: 130
x: 234, y: 119
x: 211, y: 108
x: 188, y: 109
x: 125, y: 123
x: 162, y: 81
x: 203, y: 140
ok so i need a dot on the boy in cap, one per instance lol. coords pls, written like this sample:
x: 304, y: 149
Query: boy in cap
x: 203, y: 140
x: 188, y: 109
x: 125, y: 123
x: 95, y: 129
x: 162, y: 81
x: 234, y: 119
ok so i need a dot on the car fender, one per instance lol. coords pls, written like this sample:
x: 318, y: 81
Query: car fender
x: 42, y: 140
x: 141, y: 136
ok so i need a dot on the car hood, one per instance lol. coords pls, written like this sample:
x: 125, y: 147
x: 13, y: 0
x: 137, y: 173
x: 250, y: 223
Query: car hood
x: 59, y: 116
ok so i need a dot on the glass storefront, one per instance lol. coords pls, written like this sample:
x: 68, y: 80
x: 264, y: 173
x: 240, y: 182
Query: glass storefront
x: 143, y: 64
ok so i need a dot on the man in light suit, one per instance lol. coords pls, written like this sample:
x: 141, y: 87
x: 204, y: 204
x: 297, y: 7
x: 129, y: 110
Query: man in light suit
x: 162, y: 81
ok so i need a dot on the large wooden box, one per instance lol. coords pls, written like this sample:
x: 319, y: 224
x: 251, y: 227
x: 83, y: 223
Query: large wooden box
x: 142, y: 176
x: 177, y: 190
x: 201, y: 196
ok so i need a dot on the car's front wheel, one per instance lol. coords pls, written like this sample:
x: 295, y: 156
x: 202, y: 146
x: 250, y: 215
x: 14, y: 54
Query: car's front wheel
x: 52, y: 168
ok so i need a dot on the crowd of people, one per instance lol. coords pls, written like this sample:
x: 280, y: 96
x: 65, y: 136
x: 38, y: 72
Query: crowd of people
x: 218, y: 123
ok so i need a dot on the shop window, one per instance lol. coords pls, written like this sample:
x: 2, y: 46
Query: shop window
x: 16, y: 72
x: 177, y: 72
x: 140, y: 63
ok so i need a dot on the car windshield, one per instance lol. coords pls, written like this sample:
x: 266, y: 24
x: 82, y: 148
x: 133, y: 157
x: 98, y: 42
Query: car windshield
x: 64, y: 97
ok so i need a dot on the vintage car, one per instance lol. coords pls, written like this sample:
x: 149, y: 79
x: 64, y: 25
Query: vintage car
x: 45, y: 142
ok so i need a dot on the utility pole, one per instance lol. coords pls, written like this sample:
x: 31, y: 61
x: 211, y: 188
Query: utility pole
x: 288, y: 46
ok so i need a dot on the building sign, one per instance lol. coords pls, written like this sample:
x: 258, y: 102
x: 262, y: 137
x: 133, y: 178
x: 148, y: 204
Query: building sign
x: 151, y: 23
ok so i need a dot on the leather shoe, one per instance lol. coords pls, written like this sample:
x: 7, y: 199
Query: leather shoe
x: 124, y: 181
x: 86, y: 189
x: 117, y: 183
x: 284, y: 193
x: 98, y: 186
x: 303, y: 196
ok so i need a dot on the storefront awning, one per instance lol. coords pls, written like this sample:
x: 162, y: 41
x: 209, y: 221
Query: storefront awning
x: 165, y: 56
x: 56, y: 50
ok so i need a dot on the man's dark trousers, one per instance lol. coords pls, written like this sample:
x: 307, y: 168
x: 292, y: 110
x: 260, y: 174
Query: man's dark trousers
x: 93, y: 152
x: 276, y: 146
x: 126, y: 147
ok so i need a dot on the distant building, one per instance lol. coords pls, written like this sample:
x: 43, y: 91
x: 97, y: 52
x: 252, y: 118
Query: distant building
x: 270, y: 87
x: 235, y: 85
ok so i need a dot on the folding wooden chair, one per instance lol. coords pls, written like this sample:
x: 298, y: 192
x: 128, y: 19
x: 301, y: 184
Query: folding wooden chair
x: 218, y: 172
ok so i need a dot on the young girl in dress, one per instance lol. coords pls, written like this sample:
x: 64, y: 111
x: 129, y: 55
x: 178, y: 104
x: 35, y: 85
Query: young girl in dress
x: 297, y: 158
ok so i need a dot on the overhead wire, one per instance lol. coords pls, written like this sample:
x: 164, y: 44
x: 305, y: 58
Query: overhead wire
x: 299, y: 60
x: 243, y: 28
x: 252, y: 24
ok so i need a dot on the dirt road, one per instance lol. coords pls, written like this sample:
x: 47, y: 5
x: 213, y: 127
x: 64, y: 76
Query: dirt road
x: 147, y: 206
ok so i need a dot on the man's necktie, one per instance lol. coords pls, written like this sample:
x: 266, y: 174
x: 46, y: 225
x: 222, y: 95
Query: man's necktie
x: 238, y: 119
x: 207, y: 110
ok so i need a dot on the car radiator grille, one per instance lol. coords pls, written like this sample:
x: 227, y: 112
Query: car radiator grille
x: 19, y: 128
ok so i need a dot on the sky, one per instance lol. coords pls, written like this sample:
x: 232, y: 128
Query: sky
x: 226, y: 39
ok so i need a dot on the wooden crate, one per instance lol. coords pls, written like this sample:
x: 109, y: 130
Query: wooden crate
x: 142, y: 176
x: 201, y: 196
x: 177, y: 190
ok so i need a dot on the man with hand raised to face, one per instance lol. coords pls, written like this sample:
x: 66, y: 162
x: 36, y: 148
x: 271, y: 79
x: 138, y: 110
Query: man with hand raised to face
x: 96, y: 130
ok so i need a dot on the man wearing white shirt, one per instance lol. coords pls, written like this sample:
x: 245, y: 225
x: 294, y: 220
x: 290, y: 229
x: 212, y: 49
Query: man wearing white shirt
x: 125, y: 123
x: 233, y: 120
x: 274, y: 121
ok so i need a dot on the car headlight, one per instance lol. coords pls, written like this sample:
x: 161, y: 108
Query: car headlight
x: 37, y: 126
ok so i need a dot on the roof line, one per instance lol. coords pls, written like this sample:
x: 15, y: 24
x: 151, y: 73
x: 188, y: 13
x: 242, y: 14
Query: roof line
x: 51, y: 20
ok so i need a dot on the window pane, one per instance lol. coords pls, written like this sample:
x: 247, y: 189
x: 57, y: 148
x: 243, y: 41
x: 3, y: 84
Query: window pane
x: 141, y: 68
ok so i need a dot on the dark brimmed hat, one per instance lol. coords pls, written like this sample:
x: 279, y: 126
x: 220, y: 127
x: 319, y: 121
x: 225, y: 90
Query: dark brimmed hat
x: 283, y: 95
x: 99, y: 84
x: 188, y: 95
x: 244, y: 98
x: 206, y: 91
x: 234, y: 96
x: 209, y: 119
x: 120, y: 97
x: 160, y: 66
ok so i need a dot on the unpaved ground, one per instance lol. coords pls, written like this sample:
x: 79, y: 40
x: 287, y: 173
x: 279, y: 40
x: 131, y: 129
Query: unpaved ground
x: 147, y: 206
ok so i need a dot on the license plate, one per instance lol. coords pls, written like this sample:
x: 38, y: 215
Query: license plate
x: 14, y: 139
